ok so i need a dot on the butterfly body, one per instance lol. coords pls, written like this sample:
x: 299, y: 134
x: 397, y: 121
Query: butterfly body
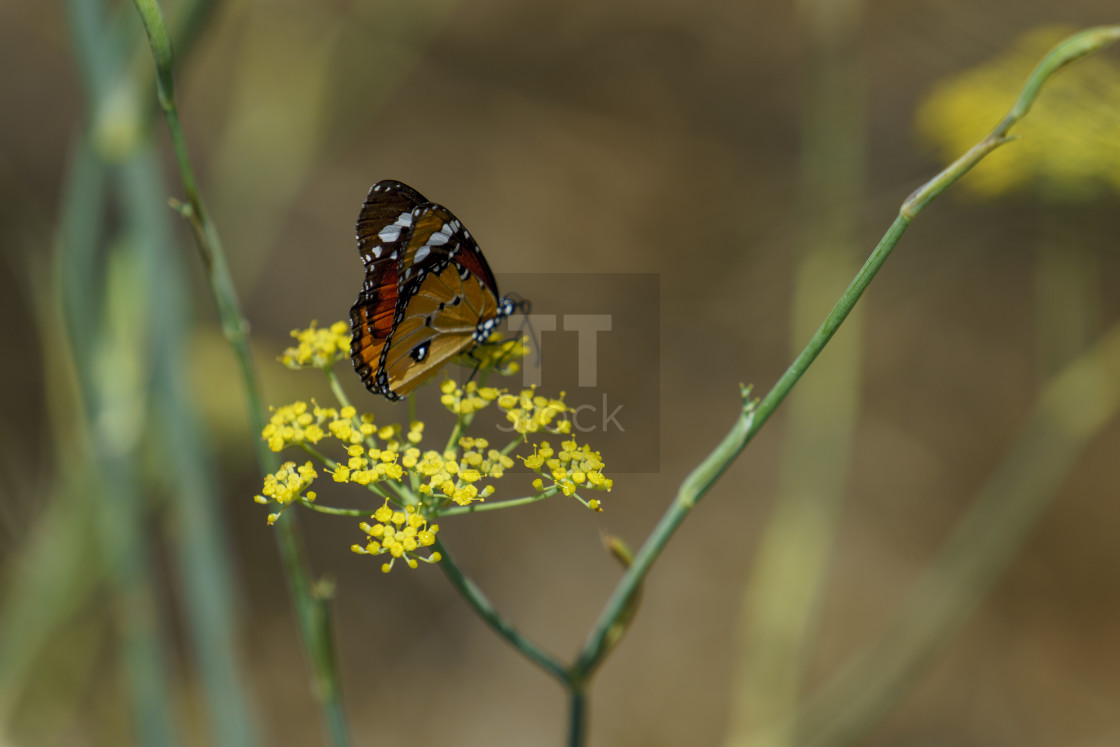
x: 428, y: 296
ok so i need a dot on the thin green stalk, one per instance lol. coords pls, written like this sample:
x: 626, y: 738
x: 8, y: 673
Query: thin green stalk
x: 1073, y: 408
x: 512, y: 445
x: 781, y: 599
x: 235, y: 329
x: 192, y: 493
x: 107, y: 339
x: 413, y: 478
x: 331, y: 510
x: 485, y: 609
x: 688, y: 495
x: 1067, y: 297
x: 577, y: 717
x: 461, y: 424
x: 475, y: 508
x: 336, y: 388
x: 750, y: 419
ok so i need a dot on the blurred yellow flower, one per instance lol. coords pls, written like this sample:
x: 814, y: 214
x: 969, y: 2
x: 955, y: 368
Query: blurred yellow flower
x: 318, y: 348
x: 1067, y: 147
x: 496, y: 354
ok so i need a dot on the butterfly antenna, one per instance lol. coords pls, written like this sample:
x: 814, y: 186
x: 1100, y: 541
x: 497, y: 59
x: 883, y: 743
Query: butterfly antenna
x: 524, y: 306
x: 477, y: 365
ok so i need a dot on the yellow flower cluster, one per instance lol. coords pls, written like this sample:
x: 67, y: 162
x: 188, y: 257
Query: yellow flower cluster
x: 574, y: 467
x: 318, y: 348
x: 367, y: 466
x: 417, y: 484
x: 399, y: 534
x: 500, y: 355
x: 531, y: 413
x: 1066, y: 146
x: 286, y: 485
x: 478, y: 455
x: 299, y: 423
x: 466, y: 399
x: 456, y: 479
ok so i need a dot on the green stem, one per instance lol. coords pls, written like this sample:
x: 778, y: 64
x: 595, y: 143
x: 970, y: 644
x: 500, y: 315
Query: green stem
x: 353, y: 512
x: 577, y: 717
x: 336, y: 388
x: 235, y: 329
x: 475, y: 508
x: 512, y: 445
x: 485, y: 609
x: 751, y: 419
x: 453, y: 441
x: 1075, y: 406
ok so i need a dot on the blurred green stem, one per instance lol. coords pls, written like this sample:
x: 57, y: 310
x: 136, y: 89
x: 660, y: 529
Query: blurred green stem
x: 482, y: 605
x: 1067, y: 301
x: 319, y: 650
x: 1071, y: 411
x: 750, y: 420
x: 783, y: 594
x: 753, y: 415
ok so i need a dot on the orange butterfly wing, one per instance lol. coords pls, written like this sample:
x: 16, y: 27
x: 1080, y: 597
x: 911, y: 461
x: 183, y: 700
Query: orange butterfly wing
x: 384, y: 227
x: 429, y: 294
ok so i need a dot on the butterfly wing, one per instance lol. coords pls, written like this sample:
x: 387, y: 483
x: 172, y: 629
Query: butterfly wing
x: 429, y: 294
x: 439, y: 322
x: 384, y: 229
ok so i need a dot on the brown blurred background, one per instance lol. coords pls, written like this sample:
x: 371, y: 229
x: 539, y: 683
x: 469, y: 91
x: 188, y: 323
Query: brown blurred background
x: 583, y: 137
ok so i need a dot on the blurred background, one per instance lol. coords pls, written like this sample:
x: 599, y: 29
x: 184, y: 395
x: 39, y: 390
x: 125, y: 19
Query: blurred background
x: 751, y: 154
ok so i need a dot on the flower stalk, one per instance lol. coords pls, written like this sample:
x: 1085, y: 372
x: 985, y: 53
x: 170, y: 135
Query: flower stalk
x: 450, y: 482
x: 314, y: 634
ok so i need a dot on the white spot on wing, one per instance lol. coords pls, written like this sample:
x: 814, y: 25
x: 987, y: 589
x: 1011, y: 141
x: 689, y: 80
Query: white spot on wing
x: 438, y: 238
x: 404, y: 220
x: 390, y: 233
x: 421, y: 253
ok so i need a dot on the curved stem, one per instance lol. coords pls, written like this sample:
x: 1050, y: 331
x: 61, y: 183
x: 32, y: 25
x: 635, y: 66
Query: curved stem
x: 315, y: 636
x: 477, y: 600
x: 751, y: 419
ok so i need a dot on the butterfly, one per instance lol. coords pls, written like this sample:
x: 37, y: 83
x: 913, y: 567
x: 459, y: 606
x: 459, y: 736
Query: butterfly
x: 428, y: 295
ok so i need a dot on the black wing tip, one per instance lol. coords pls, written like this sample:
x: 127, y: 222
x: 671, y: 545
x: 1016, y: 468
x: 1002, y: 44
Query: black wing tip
x: 387, y: 187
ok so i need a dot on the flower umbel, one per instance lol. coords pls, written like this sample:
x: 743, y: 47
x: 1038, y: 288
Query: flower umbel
x: 466, y: 399
x: 414, y: 485
x: 574, y: 467
x: 318, y: 348
x: 286, y: 485
x: 298, y: 423
x: 530, y: 412
x: 399, y: 534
